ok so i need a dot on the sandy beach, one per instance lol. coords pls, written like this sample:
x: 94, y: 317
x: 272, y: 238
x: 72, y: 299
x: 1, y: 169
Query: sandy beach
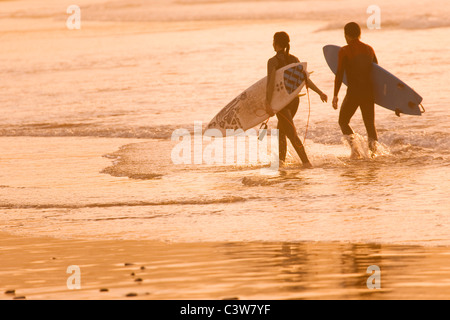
x: 36, y: 268
x: 88, y: 181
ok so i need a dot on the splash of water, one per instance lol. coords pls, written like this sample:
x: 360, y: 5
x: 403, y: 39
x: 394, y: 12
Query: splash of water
x: 359, y: 146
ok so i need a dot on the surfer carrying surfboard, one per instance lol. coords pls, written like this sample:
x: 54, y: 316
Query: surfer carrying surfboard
x: 355, y: 59
x: 286, y: 127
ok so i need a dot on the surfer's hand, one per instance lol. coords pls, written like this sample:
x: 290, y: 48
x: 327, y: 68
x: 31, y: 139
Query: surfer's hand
x: 323, y: 97
x: 269, y: 109
x: 335, y: 102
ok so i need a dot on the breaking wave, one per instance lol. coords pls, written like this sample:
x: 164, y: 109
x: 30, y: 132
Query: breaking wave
x: 178, y: 202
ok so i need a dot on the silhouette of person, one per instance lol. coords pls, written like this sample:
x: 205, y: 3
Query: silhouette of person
x: 286, y: 127
x: 355, y: 59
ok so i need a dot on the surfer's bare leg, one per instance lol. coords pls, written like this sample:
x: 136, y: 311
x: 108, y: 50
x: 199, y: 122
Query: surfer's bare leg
x: 286, y: 125
x: 282, y: 143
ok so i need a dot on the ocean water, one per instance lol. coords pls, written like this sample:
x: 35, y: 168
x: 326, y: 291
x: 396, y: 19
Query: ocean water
x: 86, y: 119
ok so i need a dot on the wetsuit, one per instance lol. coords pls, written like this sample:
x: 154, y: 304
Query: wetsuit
x: 285, y: 116
x: 356, y: 60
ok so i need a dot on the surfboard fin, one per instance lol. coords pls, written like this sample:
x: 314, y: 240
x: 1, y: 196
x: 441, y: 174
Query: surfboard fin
x: 397, y: 112
x: 263, y: 129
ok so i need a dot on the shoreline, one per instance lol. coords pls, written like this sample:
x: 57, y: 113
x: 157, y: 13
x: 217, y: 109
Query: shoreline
x: 95, y: 207
x: 36, y: 268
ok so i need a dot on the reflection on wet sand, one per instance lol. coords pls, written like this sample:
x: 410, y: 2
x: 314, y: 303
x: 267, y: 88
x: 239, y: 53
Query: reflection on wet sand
x: 36, y: 268
x: 338, y: 270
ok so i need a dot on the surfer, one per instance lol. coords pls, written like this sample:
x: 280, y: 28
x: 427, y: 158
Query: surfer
x: 286, y: 127
x: 356, y: 60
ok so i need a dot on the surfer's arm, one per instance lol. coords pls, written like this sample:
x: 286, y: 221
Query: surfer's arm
x: 339, y: 78
x: 374, y: 59
x: 338, y: 82
x: 314, y: 88
x: 337, y: 86
x: 339, y: 73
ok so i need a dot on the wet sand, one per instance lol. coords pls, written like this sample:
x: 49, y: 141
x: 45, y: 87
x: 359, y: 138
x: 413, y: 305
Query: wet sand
x: 36, y: 268
x: 85, y: 126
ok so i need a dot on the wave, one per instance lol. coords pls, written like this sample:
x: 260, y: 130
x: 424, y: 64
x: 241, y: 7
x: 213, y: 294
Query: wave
x: 433, y: 15
x: 402, y: 14
x: 436, y: 140
x: 420, y: 22
x: 230, y: 199
x: 433, y: 141
x: 87, y: 130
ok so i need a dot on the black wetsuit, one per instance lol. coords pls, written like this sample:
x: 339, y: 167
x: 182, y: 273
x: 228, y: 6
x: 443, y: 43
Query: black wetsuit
x: 286, y: 127
x: 356, y: 60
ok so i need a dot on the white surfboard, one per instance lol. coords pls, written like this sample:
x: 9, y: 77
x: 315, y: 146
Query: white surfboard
x: 248, y: 109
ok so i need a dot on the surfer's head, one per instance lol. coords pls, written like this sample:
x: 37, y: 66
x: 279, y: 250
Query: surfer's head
x: 281, y: 42
x: 352, y: 31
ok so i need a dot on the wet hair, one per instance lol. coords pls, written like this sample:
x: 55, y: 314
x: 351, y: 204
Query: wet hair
x: 282, y: 39
x: 352, y: 30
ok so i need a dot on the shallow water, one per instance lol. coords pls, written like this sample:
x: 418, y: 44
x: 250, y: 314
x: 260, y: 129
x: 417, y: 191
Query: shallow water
x: 76, y: 102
